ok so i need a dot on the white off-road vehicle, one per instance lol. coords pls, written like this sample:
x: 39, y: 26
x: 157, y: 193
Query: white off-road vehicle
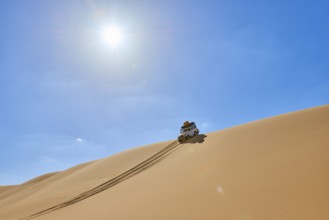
x: 188, y: 130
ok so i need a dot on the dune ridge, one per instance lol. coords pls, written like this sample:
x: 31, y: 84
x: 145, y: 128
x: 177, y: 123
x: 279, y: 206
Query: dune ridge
x: 112, y: 182
x: 275, y: 168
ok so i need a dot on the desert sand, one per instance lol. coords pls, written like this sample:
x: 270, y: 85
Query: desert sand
x: 275, y: 168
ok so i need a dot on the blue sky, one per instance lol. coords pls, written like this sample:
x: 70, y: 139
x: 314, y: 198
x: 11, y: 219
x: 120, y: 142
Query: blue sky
x: 67, y: 98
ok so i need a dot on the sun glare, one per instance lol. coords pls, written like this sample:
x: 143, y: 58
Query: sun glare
x: 112, y: 36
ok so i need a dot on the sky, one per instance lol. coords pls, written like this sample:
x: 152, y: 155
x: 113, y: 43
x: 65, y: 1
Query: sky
x: 67, y: 97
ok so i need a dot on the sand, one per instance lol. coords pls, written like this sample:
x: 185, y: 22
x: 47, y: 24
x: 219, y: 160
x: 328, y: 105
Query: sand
x: 275, y: 168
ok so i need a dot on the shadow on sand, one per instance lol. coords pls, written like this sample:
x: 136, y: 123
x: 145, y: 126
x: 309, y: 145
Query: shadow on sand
x: 197, y: 139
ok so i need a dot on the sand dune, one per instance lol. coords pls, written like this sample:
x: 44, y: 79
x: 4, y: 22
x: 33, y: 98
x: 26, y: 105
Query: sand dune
x: 276, y: 168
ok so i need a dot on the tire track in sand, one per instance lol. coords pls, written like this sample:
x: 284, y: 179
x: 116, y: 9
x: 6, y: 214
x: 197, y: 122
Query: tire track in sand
x: 112, y: 182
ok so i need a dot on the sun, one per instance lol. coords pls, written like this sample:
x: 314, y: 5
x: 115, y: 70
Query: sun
x: 112, y: 36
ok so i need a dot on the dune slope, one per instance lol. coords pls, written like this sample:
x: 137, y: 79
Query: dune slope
x: 276, y: 168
